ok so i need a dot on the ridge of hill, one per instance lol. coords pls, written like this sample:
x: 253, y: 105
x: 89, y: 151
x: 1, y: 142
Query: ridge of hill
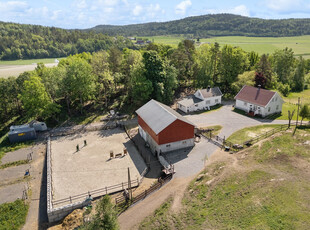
x: 22, y: 41
x: 213, y: 25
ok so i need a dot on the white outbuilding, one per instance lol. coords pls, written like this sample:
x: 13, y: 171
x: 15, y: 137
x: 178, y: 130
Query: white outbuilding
x: 202, y: 99
x: 258, y: 101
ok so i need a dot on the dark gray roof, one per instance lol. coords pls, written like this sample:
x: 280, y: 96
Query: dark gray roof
x: 211, y: 92
x: 159, y: 116
x: 190, y: 100
x: 20, y: 129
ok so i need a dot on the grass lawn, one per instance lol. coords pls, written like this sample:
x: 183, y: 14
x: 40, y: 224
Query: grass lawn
x: 299, y: 44
x: 216, y: 129
x: 267, y: 187
x: 250, y: 132
x: 30, y: 61
x: 13, y: 215
x: 291, y: 104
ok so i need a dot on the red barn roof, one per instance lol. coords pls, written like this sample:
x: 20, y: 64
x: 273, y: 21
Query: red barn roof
x: 254, y: 95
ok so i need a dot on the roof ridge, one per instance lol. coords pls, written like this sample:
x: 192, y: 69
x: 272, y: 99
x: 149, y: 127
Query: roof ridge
x: 160, y: 104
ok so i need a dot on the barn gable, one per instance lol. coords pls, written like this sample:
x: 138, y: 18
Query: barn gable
x: 159, y: 116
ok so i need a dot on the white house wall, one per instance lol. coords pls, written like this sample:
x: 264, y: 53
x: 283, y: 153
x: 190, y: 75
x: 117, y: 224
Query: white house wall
x: 201, y: 105
x: 274, y: 106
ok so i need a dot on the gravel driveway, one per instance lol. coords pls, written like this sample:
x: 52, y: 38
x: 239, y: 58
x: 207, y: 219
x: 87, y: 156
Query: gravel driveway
x: 231, y: 121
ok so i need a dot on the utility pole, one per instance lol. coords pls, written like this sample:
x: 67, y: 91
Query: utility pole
x: 297, y: 111
x: 297, y: 116
x: 129, y: 185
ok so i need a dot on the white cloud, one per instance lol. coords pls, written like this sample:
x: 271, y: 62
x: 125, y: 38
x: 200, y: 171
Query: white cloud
x: 154, y: 10
x: 283, y: 5
x: 81, y: 4
x: 182, y: 7
x: 13, y: 6
x: 56, y: 14
x: 137, y: 10
x: 240, y: 10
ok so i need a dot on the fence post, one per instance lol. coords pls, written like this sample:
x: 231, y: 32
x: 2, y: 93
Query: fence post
x: 70, y: 200
x: 122, y: 186
x: 106, y: 190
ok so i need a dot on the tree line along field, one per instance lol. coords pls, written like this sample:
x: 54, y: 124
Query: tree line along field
x: 261, y: 45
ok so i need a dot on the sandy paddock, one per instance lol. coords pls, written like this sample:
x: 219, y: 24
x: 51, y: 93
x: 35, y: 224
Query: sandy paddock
x: 91, y: 168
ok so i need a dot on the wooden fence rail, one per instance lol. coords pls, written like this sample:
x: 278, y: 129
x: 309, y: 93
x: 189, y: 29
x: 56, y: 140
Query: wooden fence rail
x: 121, y: 200
x: 97, y: 192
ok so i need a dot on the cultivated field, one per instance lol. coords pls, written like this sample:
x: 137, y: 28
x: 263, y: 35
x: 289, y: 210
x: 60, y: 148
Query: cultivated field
x: 299, y: 44
x: 14, y: 68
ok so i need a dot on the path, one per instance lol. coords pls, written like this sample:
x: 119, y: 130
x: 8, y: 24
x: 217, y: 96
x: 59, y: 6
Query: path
x: 188, y: 163
x: 37, y: 215
x: 17, y: 155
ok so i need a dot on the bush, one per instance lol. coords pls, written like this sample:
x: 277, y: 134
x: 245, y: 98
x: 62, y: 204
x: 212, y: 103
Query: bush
x: 13, y: 215
x: 285, y: 89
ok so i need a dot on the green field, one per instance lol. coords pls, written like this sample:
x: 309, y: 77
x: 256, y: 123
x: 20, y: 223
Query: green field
x: 30, y: 61
x: 299, y: 44
x: 291, y: 103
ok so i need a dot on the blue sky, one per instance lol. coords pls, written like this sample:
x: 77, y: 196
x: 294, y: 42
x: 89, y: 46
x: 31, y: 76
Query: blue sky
x: 85, y: 14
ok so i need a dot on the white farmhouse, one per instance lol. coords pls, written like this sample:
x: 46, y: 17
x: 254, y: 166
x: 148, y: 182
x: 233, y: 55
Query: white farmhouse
x: 257, y: 101
x: 201, y: 100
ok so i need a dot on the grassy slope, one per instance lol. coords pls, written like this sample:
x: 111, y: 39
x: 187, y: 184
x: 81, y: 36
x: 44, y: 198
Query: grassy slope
x: 13, y: 215
x: 291, y: 101
x: 268, y: 189
x: 250, y: 132
x: 299, y: 44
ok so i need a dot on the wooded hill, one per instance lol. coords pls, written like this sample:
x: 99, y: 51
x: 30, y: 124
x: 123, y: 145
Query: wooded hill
x: 213, y: 25
x: 20, y: 41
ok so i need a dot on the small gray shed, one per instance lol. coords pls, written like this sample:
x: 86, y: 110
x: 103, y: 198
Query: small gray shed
x: 22, y: 133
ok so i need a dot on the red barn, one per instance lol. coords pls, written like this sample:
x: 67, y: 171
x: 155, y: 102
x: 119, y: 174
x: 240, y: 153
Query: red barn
x: 163, y: 128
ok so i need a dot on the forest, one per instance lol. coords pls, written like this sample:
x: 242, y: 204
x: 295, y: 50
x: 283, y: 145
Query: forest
x: 124, y: 79
x: 213, y: 25
x: 20, y: 41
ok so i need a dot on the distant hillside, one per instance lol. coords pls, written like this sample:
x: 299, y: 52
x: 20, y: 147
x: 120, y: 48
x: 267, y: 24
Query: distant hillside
x: 19, y: 41
x: 213, y: 25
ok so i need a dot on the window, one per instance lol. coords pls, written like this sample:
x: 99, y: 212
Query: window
x: 208, y: 102
x: 268, y: 109
x: 276, y: 98
x: 167, y: 146
x: 183, y: 142
x: 216, y: 100
x: 245, y: 104
x: 272, y: 100
x: 277, y: 107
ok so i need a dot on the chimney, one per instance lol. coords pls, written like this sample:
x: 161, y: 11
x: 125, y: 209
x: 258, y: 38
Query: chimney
x: 258, y: 89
